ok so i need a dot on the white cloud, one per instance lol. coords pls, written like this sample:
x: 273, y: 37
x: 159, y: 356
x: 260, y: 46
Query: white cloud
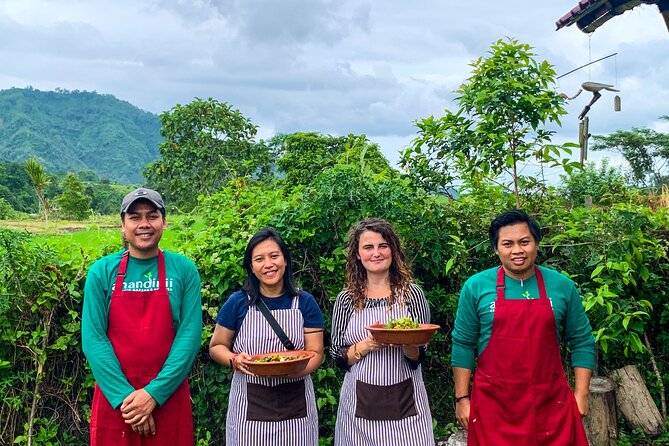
x: 338, y: 67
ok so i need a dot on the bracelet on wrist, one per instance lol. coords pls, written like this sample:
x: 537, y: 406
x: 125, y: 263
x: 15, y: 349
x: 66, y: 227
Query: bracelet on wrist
x: 232, y: 361
x: 457, y: 399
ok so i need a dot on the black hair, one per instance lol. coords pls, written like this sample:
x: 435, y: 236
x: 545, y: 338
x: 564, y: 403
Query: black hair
x: 509, y: 218
x: 251, y: 282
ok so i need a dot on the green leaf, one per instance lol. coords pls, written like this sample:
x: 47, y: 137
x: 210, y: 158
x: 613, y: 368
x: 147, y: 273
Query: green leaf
x: 597, y: 271
x: 644, y: 273
x: 449, y: 265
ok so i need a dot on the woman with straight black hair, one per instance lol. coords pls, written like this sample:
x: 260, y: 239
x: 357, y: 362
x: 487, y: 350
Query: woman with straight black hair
x: 275, y: 411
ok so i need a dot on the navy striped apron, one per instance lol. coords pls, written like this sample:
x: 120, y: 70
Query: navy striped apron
x: 271, y: 411
x: 382, y: 401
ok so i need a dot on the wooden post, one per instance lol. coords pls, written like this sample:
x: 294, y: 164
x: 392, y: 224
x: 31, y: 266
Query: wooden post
x: 635, y: 402
x: 601, y: 423
x: 583, y: 136
x: 587, y: 201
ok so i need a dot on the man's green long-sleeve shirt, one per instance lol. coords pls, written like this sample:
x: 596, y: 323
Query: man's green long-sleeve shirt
x: 473, y: 322
x: 184, y: 288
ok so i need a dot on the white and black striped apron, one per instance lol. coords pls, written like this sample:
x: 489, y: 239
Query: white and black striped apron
x: 382, y: 401
x: 271, y: 411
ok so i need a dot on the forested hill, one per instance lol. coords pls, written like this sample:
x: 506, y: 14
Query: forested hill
x: 78, y: 130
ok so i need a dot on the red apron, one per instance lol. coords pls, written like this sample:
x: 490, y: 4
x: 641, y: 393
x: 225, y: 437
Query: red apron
x: 520, y: 395
x: 141, y: 332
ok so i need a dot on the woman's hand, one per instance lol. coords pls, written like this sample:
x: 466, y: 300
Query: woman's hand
x: 313, y: 342
x: 238, y: 363
x: 370, y: 345
x: 411, y: 351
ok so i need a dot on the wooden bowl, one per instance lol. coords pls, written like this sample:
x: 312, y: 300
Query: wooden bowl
x: 403, y: 336
x: 283, y: 368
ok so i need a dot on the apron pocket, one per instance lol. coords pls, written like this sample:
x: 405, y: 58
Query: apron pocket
x: 276, y: 403
x: 394, y: 402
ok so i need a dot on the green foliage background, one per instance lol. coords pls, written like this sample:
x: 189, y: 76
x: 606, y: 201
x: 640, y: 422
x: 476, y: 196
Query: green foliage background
x: 17, y: 190
x: 616, y: 254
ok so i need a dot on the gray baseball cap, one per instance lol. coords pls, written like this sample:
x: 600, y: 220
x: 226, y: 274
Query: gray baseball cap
x: 143, y: 194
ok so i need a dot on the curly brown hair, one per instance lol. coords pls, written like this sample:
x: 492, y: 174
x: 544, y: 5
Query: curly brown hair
x: 356, y: 274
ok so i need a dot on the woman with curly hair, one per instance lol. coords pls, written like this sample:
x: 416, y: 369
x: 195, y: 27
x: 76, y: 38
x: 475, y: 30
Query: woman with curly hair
x: 383, y: 399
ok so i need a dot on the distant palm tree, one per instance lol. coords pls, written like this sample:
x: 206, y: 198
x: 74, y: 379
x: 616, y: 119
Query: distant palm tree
x: 39, y: 179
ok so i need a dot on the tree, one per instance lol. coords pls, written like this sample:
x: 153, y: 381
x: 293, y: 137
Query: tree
x: 105, y: 198
x: 206, y: 144
x: 602, y: 183
x: 73, y: 202
x: 6, y: 210
x: 302, y: 156
x: 87, y: 175
x: 16, y: 188
x: 646, y: 151
x: 496, y: 128
x: 40, y: 180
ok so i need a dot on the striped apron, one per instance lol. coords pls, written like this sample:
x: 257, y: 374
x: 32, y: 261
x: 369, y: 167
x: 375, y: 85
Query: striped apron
x: 382, y: 401
x: 271, y: 411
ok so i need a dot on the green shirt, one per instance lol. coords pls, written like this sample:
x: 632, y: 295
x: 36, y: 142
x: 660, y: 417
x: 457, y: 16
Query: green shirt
x: 184, y: 288
x: 473, y: 320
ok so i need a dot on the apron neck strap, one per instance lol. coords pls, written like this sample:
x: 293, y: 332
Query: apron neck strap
x: 120, y: 275
x: 540, y: 283
x: 537, y: 273
x: 123, y: 266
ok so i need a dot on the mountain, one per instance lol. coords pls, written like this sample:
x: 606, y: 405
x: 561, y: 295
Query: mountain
x: 78, y: 130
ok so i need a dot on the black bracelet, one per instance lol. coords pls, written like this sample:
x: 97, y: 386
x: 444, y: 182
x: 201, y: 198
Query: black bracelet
x: 460, y: 398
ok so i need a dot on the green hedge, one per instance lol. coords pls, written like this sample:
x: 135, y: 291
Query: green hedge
x: 617, y: 255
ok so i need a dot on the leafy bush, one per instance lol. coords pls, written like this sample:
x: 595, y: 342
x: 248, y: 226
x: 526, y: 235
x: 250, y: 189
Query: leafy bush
x: 617, y: 255
x: 603, y: 184
x: 6, y: 209
x: 45, y: 389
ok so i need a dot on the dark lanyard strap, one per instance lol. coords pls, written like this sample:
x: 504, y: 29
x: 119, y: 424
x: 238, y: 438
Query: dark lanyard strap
x: 262, y: 306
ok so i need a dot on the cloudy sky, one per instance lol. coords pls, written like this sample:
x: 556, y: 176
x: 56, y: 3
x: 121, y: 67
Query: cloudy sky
x: 336, y: 67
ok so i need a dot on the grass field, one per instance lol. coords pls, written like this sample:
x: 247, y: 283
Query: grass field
x: 53, y: 227
x: 89, y: 234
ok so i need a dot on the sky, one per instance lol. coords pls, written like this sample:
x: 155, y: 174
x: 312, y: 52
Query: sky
x: 334, y: 67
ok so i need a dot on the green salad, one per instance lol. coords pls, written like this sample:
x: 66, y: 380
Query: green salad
x: 278, y: 357
x: 402, y: 323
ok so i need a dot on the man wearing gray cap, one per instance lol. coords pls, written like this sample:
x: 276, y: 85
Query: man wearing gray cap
x: 141, y: 329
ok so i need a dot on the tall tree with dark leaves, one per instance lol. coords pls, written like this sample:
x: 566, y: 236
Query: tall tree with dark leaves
x: 73, y: 202
x: 206, y: 144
